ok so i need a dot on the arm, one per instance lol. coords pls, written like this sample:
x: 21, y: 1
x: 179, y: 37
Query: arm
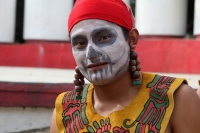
x: 53, y: 126
x: 198, y: 91
x: 186, y: 115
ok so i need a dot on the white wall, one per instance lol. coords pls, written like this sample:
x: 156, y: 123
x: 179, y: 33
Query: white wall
x: 7, y: 20
x: 161, y: 17
x: 46, y: 19
x: 197, y: 18
x: 127, y: 2
x: 52, y: 75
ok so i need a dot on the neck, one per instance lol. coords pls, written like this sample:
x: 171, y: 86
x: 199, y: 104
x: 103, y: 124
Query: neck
x: 121, y: 89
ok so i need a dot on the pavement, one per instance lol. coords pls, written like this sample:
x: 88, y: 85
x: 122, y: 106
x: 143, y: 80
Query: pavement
x: 54, y: 75
x: 44, y: 130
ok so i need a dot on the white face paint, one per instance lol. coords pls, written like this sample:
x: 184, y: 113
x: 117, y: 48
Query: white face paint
x: 100, y: 50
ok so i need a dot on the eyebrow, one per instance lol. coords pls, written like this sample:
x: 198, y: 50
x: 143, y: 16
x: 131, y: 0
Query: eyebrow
x: 95, y: 31
x: 101, y: 30
x: 78, y: 37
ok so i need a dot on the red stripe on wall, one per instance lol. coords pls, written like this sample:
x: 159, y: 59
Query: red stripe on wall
x: 170, y: 56
x: 166, y: 55
x: 30, y: 94
x: 53, y: 55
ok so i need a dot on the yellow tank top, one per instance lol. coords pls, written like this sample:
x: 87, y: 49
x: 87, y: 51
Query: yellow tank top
x: 149, y: 112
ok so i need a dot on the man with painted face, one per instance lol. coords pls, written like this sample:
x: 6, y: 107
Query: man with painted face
x: 120, y: 98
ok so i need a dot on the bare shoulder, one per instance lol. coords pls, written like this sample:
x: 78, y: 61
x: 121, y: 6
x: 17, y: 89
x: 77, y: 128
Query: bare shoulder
x: 53, y: 126
x: 198, y: 91
x: 186, y: 115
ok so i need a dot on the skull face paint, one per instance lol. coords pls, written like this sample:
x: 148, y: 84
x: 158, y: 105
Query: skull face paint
x: 100, y: 50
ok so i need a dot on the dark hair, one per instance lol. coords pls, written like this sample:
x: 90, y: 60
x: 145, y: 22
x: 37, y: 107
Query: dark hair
x: 125, y: 33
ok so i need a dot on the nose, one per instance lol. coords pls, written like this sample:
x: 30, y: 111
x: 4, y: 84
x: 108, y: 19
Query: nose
x: 93, y: 54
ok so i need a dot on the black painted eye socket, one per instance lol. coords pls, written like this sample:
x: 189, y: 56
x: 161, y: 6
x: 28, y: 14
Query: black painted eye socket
x: 103, y: 39
x: 80, y: 44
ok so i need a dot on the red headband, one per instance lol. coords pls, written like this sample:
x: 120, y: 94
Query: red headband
x: 115, y: 11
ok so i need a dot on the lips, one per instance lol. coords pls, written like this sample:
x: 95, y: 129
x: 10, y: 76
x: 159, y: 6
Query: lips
x: 96, y: 64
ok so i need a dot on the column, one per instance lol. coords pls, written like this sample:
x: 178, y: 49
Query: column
x: 197, y: 19
x: 46, y: 19
x: 7, y: 21
x: 161, y: 17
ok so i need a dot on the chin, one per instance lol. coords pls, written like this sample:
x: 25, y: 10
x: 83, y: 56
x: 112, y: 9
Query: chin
x: 105, y: 79
x: 101, y: 82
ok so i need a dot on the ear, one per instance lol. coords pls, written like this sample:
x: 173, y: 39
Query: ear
x: 133, y: 38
